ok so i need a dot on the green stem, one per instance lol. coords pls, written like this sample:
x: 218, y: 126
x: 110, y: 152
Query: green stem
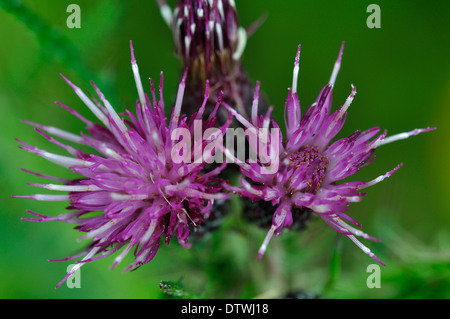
x: 335, y: 266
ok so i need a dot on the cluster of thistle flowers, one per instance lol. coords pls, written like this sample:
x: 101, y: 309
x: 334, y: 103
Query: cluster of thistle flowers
x: 144, y: 192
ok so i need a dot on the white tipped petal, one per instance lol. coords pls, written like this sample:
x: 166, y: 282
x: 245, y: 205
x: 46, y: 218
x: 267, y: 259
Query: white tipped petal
x: 347, y: 104
x: 166, y: 12
x: 57, y: 132
x: 337, y: 66
x: 177, y: 109
x: 266, y: 241
x: 68, y: 188
x: 381, y: 178
x: 219, y: 36
x: 279, y: 220
x: 296, y: 71
x: 402, y: 136
x: 87, y: 101
x: 99, y: 230
x: 255, y: 104
x: 137, y: 78
x: 111, y: 110
x: 242, y: 43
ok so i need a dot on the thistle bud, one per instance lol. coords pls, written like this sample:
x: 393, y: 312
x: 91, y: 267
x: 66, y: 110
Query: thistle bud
x: 210, y: 42
x: 208, y: 37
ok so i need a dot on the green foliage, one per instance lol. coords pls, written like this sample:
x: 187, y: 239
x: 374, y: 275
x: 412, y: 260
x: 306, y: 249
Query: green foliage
x: 174, y: 290
x: 54, y: 44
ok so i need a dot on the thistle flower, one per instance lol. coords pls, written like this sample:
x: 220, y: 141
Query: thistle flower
x: 210, y: 42
x: 309, y: 166
x: 141, y: 192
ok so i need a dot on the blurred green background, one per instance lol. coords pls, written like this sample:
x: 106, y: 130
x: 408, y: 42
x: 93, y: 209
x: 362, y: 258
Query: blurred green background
x: 402, y: 73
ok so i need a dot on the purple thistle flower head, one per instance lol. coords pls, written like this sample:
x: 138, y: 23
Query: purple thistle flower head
x: 143, y: 194
x: 207, y: 35
x: 309, y: 167
x: 210, y: 42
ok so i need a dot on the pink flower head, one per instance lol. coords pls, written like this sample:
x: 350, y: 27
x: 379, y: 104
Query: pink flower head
x: 309, y: 167
x: 141, y: 192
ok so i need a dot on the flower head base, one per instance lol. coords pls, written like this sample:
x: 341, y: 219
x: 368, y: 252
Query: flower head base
x: 260, y: 213
x: 142, y: 193
x: 310, y: 166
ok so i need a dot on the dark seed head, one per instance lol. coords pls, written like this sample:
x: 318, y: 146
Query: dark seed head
x: 261, y: 213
